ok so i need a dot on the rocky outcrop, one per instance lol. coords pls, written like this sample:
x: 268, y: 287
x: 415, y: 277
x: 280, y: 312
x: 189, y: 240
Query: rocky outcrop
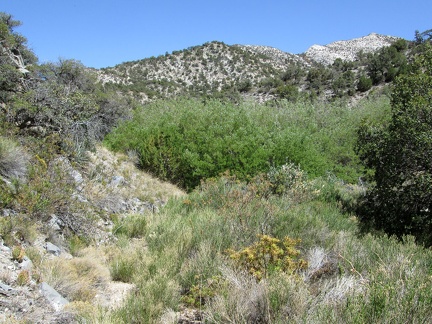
x: 279, y: 58
x: 56, y: 300
x: 347, y: 50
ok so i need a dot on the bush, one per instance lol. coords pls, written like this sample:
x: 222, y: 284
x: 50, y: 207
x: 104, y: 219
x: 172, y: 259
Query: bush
x: 122, y: 269
x: 386, y: 64
x: 244, y: 85
x: 269, y: 255
x: 170, y: 146
x: 364, y: 84
x: 289, y: 92
x: 23, y: 278
x: 285, y: 178
x: 244, y: 139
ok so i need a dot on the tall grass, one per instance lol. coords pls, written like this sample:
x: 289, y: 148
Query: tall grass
x: 349, y: 278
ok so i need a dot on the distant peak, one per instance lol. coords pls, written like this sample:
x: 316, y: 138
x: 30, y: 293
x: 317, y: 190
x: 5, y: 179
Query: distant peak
x: 347, y: 49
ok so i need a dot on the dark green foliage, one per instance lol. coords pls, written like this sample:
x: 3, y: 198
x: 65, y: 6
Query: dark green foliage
x: 269, y: 83
x: 54, y: 100
x: 293, y: 74
x: 387, y: 63
x: 318, y: 78
x: 344, y: 84
x: 66, y: 101
x: 364, y: 84
x: 14, y: 45
x: 289, y: 92
x: 400, y: 45
x: 9, y: 79
x: 15, y: 58
x: 401, y: 156
x: 244, y: 85
x: 421, y: 37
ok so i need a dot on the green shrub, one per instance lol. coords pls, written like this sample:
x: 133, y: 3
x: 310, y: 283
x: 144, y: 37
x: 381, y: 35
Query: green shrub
x: 23, y: 278
x: 386, y: 63
x: 76, y: 243
x: 18, y: 253
x: 202, y: 292
x: 122, y: 269
x: 17, y: 229
x: 364, y: 84
x: 269, y: 255
x: 289, y: 92
x: 133, y: 226
x: 243, y: 139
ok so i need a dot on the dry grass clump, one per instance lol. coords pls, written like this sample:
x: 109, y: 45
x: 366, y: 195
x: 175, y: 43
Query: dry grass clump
x: 17, y: 229
x: 76, y: 279
x: 335, y: 291
x: 245, y: 300
x: 86, y: 312
x: 104, y: 166
x: 321, y: 264
x: 14, y: 159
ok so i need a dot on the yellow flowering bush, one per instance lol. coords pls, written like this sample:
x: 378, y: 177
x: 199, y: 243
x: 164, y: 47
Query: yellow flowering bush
x: 268, y: 255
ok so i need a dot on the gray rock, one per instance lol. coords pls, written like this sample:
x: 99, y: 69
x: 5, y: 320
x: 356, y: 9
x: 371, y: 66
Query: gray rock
x: 56, y: 300
x: 53, y: 249
x: 26, y: 264
x: 347, y: 50
x: 8, y: 212
x: 4, y: 248
x: 64, y: 165
x: 6, y: 289
x: 117, y: 180
x: 55, y: 223
x: 80, y: 198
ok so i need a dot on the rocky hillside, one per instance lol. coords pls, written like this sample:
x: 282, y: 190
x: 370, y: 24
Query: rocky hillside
x: 42, y: 277
x: 347, y: 50
x: 218, y: 67
x: 209, y: 67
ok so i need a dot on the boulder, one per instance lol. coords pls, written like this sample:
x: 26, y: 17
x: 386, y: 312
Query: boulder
x: 56, y: 300
x: 53, y: 249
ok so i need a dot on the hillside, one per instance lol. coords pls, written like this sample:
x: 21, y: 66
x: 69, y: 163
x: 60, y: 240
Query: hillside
x: 206, y: 68
x: 347, y: 50
x: 250, y: 70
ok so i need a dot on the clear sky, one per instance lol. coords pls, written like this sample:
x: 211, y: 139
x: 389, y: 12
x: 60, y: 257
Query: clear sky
x: 102, y: 33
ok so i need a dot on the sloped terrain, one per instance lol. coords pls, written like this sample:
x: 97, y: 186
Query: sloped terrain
x: 249, y: 70
x: 208, y: 67
x: 47, y: 280
x: 347, y: 50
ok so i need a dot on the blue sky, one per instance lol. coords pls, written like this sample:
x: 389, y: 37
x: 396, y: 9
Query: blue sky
x: 102, y: 33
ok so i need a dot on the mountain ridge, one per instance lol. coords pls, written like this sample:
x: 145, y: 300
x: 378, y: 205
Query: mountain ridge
x: 216, y: 66
x: 347, y: 49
